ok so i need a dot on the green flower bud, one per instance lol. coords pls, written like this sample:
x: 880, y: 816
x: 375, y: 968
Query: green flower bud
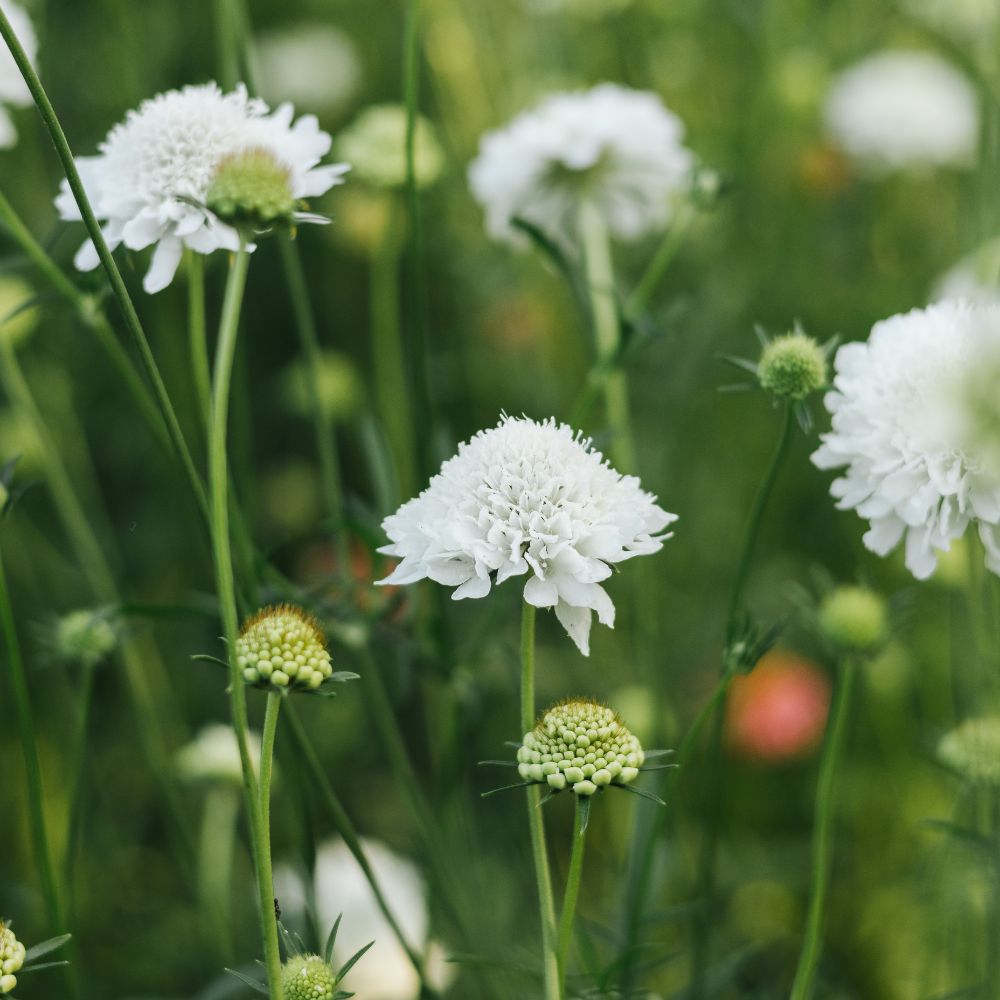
x: 854, y: 618
x: 581, y: 745
x: 252, y: 188
x: 308, y: 977
x: 86, y: 636
x: 283, y: 647
x: 11, y: 958
x: 375, y: 146
x: 973, y: 750
x: 792, y: 367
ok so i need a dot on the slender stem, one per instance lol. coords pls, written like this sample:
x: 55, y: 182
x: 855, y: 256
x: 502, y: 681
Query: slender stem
x: 805, y: 976
x: 343, y: 825
x: 78, y: 783
x: 215, y: 864
x: 993, y: 924
x: 198, y: 339
x: 580, y: 818
x: 118, y: 288
x: 607, y: 332
x: 672, y: 241
x: 536, y: 822
x: 265, y: 876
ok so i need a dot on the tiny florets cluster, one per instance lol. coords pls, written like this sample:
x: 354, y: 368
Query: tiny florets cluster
x: 11, y: 958
x: 792, y: 367
x: 308, y: 977
x: 581, y: 745
x: 854, y: 618
x: 283, y: 647
x: 973, y: 750
x: 251, y: 188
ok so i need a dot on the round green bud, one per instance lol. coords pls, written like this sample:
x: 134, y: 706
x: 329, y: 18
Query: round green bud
x: 581, y: 745
x: 308, y: 977
x: 792, y: 367
x: 973, y: 750
x: 85, y: 636
x: 11, y: 958
x: 375, y: 146
x: 252, y: 188
x: 854, y: 618
x: 283, y: 647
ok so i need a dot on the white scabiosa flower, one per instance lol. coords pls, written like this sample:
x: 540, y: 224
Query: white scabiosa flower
x: 617, y: 148
x: 151, y: 179
x: 527, y: 499
x: 899, y: 110
x: 911, y: 468
x: 13, y: 90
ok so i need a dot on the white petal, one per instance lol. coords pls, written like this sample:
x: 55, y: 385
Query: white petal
x: 163, y: 266
x: 541, y: 593
x: 476, y: 587
x: 576, y: 621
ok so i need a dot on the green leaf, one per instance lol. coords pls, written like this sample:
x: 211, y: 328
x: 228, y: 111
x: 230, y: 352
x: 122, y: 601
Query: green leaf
x: 583, y: 804
x: 507, y: 788
x: 45, y: 947
x: 44, y: 965
x: 352, y: 961
x: 640, y: 793
x: 254, y: 984
x: 332, y: 940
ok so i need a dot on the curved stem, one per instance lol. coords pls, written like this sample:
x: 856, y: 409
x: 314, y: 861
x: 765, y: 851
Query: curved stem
x: 805, y: 975
x: 118, y: 288
x: 581, y: 817
x: 536, y: 823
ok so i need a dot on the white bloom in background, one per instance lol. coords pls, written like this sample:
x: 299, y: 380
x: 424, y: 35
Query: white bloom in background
x: 149, y: 183
x: 375, y: 146
x: 913, y: 468
x: 527, y: 499
x: 966, y: 19
x: 314, y: 65
x: 899, y: 110
x: 213, y: 755
x: 385, y: 973
x: 13, y: 90
x: 975, y: 278
x: 620, y: 149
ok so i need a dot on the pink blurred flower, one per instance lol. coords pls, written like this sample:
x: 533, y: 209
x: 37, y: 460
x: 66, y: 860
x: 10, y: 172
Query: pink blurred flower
x: 778, y: 711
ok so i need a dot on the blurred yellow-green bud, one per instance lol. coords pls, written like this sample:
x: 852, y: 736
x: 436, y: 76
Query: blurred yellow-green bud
x: 15, y: 325
x: 283, y: 647
x: 973, y: 750
x: 792, y: 367
x: 308, y: 977
x: 85, y: 636
x: 338, y: 384
x: 581, y: 745
x: 214, y: 756
x: 375, y: 146
x: 252, y: 188
x: 854, y: 618
x: 11, y: 958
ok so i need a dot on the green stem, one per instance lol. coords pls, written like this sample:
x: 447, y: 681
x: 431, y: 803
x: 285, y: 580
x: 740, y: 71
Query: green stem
x: 993, y: 924
x: 265, y: 876
x: 226, y: 588
x: 118, y: 288
x: 581, y: 817
x: 607, y: 333
x: 215, y: 864
x: 343, y: 825
x: 672, y: 241
x: 197, y: 336
x: 536, y: 822
x: 78, y: 782
x: 805, y: 976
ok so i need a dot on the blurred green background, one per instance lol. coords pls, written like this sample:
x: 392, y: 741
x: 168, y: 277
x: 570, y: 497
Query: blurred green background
x: 796, y: 234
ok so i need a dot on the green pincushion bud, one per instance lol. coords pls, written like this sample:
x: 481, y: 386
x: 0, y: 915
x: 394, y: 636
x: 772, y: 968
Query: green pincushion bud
x: 85, y: 636
x: 973, y: 750
x: 308, y: 977
x: 792, y: 367
x: 854, y: 618
x: 252, y: 188
x: 581, y: 745
x: 283, y: 647
x: 11, y: 958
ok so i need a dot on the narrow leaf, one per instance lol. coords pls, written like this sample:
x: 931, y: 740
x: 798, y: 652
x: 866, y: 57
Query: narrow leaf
x: 352, y: 961
x: 45, y: 947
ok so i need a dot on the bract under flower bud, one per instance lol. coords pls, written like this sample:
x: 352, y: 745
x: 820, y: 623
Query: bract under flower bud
x: 973, y: 750
x: 11, y: 958
x: 283, y: 647
x: 854, y: 618
x: 308, y: 977
x: 581, y: 745
x: 792, y: 367
x: 252, y: 188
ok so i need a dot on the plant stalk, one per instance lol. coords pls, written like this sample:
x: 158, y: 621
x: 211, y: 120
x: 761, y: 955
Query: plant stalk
x: 581, y: 816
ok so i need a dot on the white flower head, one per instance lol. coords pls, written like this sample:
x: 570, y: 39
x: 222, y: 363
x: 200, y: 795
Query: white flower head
x: 912, y: 468
x: 149, y: 183
x: 618, y: 148
x: 899, y: 110
x: 528, y: 499
x: 13, y: 90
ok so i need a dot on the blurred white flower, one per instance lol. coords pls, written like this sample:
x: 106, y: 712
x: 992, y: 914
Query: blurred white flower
x: 528, y: 498
x: 914, y: 468
x: 314, y: 65
x: 620, y: 149
x: 213, y: 755
x: 149, y: 183
x: 975, y: 278
x: 899, y: 110
x: 375, y: 146
x: 385, y: 973
x: 13, y: 90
